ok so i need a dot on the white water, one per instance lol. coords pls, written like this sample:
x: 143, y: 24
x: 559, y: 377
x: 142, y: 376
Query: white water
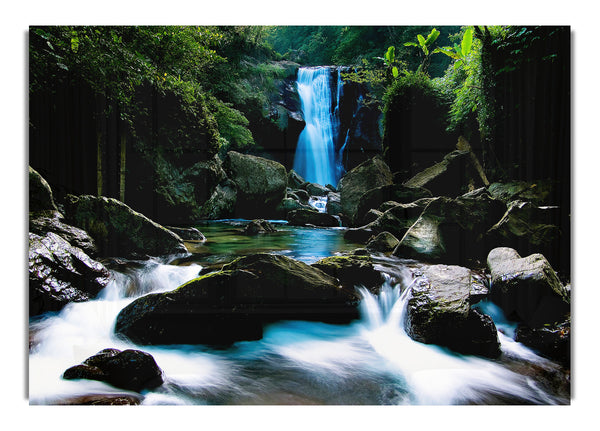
x: 315, y: 157
x: 371, y: 361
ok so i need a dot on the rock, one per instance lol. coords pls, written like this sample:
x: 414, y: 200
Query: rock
x: 316, y: 189
x: 258, y: 226
x: 451, y: 230
x: 538, y: 193
x: 233, y: 304
x: 294, y: 180
x: 102, y: 400
x: 304, y: 217
x: 552, y: 341
x: 373, y: 198
x: 383, y: 242
x: 334, y: 204
x: 439, y: 312
x: 60, y: 273
x: 52, y: 221
x: 133, y: 370
x: 261, y: 183
x: 371, y: 216
x: 288, y: 204
x: 187, y: 233
x: 529, y: 229
x: 527, y: 289
x: 368, y: 175
x: 303, y: 196
x: 221, y: 203
x: 120, y: 231
x: 352, y: 271
x: 40, y: 193
x: 448, y: 177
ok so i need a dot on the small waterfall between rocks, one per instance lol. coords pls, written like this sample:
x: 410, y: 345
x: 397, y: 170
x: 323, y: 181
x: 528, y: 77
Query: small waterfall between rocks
x: 316, y: 159
x: 370, y: 361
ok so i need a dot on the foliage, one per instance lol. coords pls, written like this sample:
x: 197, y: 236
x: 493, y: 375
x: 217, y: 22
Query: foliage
x: 425, y: 44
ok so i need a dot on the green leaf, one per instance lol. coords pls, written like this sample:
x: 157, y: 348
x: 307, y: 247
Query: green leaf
x: 467, y: 42
x: 395, y: 71
x: 421, y: 40
x: 448, y: 51
x: 410, y: 44
x: 390, y: 55
x: 432, y: 37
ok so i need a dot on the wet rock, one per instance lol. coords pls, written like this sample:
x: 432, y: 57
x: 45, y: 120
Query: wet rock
x: 52, y: 221
x: 439, y: 312
x: 334, y: 204
x: 383, y: 242
x: 102, y: 400
x: 527, y: 289
x: 233, y: 304
x: 316, y: 189
x: 258, y: 226
x: 129, y: 369
x: 40, y: 193
x: 60, y: 273
x: 187, y: 233
x: 368, y: 175
x: 261, y: 183
x: 120, y: 231
x: 304, y: 217
x: 289, y: 204
x: 352, y: 271
x: 552, y: 341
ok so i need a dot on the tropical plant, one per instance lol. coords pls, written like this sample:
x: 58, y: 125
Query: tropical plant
x: 424, y: 44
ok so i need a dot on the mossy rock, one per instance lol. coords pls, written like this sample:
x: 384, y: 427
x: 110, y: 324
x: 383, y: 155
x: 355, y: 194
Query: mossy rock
x: 352, y: 271
x: 234, y: 304
x: 120, y: 231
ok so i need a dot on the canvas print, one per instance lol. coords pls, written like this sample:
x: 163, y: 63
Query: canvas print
x: 304, y: 215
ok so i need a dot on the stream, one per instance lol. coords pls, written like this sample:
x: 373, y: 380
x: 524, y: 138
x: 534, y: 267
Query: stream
x: 371, y: 361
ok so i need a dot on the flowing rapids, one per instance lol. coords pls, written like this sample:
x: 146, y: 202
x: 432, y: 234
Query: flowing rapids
x: 315, y: 157
x: 371, y: 361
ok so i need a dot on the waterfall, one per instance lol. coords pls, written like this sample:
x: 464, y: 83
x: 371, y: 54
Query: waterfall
x: 315, y: 157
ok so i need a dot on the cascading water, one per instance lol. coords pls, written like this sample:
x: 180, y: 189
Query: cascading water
x: 315, y: 157
x: 371, y: 361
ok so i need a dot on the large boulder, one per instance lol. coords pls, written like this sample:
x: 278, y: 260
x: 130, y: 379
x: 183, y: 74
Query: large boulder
x: 552, y: 341
x: 368, y: 175
x: 40, y: 193
x: 451, y: 230
x: 120, y: 231
x: 306, y: 217
x: 527, y: 288
x: 439, y: 312
x: 383, y: 242
x: 233, y: 304
x: 130, y: 369
x: 261, y: 183
x: 60, y: 273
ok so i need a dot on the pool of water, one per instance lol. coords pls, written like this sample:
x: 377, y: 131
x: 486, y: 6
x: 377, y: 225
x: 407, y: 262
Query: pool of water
x: 224, y: 242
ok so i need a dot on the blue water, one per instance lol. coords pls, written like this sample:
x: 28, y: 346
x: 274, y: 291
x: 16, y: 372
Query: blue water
x: 315, y: 157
